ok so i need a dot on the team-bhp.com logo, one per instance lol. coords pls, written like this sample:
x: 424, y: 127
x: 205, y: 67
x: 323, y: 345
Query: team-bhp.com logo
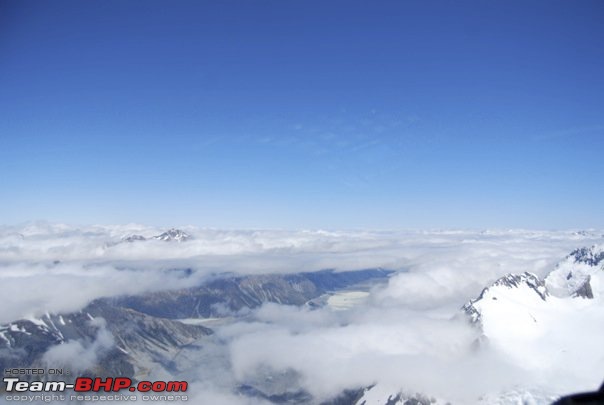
x: 16, y: 388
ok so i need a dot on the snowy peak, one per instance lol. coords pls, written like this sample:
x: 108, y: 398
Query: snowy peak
x: 573, y: 276
x: 517, y: 288
x: 578, y: 275
x: 527, y: 279
x: 512, y: 314
x: 173, y: 235
x: 538, y: 323
x: 133, y: 238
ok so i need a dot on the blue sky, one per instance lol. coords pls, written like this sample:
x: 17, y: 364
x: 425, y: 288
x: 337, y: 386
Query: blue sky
x: 303, y: 114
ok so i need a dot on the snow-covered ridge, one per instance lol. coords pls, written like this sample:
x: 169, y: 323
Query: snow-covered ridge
x: 572, y: 278
x: 526, y: 278
x: 172, y: 234
x: 535, y: 322
x: 575, y: 275
x: 542, y: 326
x: 526, y: 285
x: 133, y: 238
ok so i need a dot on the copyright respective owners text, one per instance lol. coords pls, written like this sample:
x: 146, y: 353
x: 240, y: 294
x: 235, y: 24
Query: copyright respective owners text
x: 56, y: 385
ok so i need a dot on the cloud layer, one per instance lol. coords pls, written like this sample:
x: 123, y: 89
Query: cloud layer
x: 404, y: 334
x: 54, y: 267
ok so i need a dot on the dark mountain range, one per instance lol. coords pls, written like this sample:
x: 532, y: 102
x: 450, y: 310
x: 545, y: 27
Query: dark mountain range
x: 144, y: 331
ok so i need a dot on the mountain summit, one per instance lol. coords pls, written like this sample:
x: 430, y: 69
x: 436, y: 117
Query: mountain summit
x: 173, y: 234
x: 574, y: 275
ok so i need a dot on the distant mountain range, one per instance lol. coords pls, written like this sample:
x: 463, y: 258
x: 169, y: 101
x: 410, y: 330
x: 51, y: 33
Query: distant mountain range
x: 170, y: 235
x: 146, y: 329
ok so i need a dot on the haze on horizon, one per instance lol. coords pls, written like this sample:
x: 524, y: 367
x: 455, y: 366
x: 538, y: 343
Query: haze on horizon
x: 302, y: 115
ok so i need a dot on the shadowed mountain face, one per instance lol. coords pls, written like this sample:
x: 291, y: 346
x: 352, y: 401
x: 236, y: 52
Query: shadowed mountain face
x: 236, y: 293
x: 127, y: 336
x: 118, y: 341
x: 590, y: 256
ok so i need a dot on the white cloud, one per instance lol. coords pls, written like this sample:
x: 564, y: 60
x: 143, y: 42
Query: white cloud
x: 80, y: 355
x: 405, y: 334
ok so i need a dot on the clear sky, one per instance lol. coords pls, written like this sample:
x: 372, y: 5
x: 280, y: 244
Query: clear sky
x: 303, y: 114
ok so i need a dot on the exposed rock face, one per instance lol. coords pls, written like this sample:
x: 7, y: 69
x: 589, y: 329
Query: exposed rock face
x: 526, y: 278
x: 584, y: 290
x: 132, y: 339
x: 592, y: 256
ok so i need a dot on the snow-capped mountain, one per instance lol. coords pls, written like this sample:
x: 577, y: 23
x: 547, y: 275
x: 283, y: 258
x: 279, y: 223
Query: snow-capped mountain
x: 517, y: 300
x: 133, y: 238
x: 170, y: 235
x: 121, y: 341
x: 575, y: 275
x: 539, y: 325
x: 173, y: 235
x: 520, y: 289
x: 544, y: 325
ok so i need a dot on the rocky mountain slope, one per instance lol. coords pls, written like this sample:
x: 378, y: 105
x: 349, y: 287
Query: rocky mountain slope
x: 127, y: 336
